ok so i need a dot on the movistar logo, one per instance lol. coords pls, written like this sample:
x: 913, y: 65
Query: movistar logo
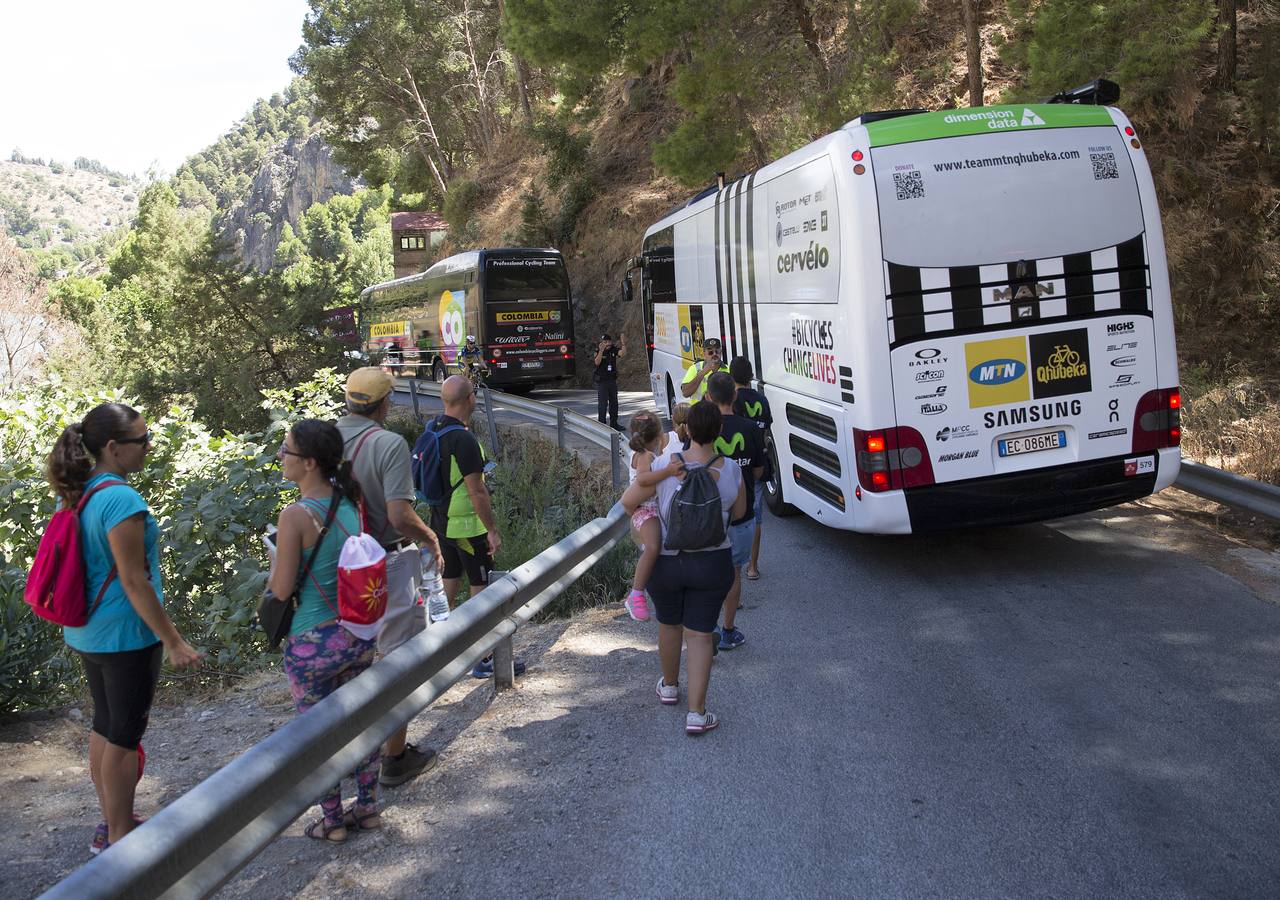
x: 753, y: 409
x: 728, y: 448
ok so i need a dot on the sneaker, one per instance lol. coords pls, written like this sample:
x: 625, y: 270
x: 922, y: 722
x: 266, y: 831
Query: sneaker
x: 700, y: 724
x: 669, y: 694
x: 99, y: 842
x: 637, y: 606
x: 730, y: 638
x: 412, y: 763
x: 484, y: 668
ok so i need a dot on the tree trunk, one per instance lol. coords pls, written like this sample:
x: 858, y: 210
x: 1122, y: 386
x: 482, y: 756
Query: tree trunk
x: 522, y: 88
x: 1226, y: 78
x: 974, y: 41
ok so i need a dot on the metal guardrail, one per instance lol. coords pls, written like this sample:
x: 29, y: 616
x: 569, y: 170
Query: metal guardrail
x: 566, y: 421
x: 1257, y: 497
x: 197, y: 843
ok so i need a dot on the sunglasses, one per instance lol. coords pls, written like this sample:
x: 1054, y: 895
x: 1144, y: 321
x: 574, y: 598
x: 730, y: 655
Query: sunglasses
x: 144, y: 438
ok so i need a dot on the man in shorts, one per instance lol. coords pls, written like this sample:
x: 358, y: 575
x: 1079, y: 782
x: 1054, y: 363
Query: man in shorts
x: 739, y: 441
x: 380, y: 460
x: 694, y: 384
x: 753, y: 405
x: 469, y: 535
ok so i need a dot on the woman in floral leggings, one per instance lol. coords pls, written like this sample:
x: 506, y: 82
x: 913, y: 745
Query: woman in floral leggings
x: 321, y: 655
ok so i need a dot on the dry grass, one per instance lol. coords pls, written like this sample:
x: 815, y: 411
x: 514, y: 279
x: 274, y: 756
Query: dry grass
x: 1235, y: 425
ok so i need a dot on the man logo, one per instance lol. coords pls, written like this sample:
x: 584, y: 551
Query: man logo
x: 1022, y: 292
x: 997, y: 371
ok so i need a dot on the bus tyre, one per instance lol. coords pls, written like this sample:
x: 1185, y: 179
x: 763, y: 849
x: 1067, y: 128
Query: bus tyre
x: 773, y: 485
x: 671, y: 398
x: 437, y: 372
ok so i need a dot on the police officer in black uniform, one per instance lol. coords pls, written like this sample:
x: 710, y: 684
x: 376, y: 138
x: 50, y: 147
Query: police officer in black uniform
x: 606, y: 379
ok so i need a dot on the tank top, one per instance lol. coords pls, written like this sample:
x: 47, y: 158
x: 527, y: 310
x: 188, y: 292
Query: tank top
x: 312, y: 606
x: 652, y: 502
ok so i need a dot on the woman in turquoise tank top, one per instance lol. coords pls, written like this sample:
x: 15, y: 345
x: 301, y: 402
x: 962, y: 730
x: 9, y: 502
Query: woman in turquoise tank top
x: 320, y: 655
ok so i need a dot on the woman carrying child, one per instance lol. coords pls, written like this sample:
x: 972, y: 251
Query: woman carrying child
x: 647, y: 440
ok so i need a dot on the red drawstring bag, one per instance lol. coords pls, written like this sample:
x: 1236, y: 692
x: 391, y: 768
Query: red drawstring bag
x: 362, y: 580
x: 55, y: 585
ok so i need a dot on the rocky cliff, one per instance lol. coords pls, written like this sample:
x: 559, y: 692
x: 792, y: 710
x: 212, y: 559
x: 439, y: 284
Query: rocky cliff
x: 293, y: 176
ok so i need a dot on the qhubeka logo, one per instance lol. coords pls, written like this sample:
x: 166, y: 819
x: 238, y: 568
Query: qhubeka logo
x: 1060, y: 363
x: 997, y: 371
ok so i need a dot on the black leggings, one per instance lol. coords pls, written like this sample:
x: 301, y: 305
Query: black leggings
x: 123, y: 686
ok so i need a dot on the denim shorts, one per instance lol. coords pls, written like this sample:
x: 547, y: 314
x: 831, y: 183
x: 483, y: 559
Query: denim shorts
x: 759, y: 503
x: 740, y: 538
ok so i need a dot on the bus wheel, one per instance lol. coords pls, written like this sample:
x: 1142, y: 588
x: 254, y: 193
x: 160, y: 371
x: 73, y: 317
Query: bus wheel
x: 671, y: 398
x: 437, y: 372
x: 773, y: 484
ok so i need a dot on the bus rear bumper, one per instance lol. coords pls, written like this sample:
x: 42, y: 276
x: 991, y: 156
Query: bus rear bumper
x: 1035, y: 495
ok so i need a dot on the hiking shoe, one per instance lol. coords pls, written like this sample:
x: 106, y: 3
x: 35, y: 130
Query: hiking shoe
x: 412, y: 763
x: 669, y: 694
x: 730, y: 638
x: 700, y: 724
x: 637, y: 606
x: 484, y: 668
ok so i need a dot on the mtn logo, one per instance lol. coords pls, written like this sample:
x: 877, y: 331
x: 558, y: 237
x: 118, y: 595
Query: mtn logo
x: 1030, y: 118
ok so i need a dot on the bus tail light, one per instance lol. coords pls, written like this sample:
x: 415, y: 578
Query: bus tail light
x: 891, y: 458
x: 1157, y: 420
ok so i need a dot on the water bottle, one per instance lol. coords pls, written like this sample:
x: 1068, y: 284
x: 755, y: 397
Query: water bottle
x: 433, y: 587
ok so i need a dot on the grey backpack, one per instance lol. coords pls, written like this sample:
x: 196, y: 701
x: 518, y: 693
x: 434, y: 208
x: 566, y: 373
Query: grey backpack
x: 696, y: 518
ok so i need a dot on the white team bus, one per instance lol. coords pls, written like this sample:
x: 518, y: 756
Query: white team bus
x: 959, y: 317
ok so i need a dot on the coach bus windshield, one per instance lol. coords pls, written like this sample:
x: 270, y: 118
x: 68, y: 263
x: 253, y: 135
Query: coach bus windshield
x: 525, y: 278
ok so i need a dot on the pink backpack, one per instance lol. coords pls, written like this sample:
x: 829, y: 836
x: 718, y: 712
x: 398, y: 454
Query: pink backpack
x: 55, y: 585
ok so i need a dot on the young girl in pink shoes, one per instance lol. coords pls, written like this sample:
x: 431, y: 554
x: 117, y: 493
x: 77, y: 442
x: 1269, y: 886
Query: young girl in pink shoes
x: 647, y: 440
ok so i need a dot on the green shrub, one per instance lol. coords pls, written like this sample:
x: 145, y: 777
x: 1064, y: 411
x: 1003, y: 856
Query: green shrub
x: 212, y: 495
x: 460, y: 204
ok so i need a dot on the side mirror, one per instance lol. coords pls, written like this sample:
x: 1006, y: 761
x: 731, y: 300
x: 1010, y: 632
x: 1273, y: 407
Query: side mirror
x: 626, y: 290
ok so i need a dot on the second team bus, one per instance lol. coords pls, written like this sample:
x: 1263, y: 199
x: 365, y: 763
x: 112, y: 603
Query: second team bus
x: 959, y: 318
x: 515, y: 301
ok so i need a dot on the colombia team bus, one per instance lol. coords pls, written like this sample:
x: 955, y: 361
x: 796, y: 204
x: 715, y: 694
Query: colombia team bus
x: 959, y: 317
x: 514, y: 300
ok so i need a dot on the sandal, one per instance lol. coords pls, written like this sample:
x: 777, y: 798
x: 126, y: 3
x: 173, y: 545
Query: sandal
x: 753, y: 576
x: 356, y: 822
x: 320, y: 830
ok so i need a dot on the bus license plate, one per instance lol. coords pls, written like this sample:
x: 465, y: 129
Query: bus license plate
x: 531, y: 364
x: 1033, y: 443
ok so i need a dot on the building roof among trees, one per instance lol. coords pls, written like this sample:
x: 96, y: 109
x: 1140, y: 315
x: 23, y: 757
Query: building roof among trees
x: 418, y: 221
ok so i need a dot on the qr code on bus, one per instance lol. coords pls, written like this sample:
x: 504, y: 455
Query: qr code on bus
x: 1104, y: 166
x: 910, y: 185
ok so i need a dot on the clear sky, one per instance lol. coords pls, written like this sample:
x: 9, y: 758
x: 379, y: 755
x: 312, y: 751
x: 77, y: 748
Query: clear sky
x: 136, y: 82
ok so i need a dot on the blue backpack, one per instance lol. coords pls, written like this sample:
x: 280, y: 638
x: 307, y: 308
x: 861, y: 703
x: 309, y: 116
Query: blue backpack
x: 428, y: 483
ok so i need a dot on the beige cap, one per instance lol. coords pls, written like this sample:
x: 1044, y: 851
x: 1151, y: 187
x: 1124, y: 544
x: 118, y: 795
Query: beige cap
x: 368, y: 385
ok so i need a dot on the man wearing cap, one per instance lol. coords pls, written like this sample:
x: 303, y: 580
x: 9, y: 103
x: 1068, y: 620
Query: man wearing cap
x: 695, y: 377
x: 380, y: 461
x: 606, y: 379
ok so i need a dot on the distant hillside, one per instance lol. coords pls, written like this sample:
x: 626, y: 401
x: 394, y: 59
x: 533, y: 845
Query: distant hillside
x: 47, y: 206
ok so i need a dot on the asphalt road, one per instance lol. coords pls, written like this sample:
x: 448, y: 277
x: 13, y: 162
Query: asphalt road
x: 1066, y: 710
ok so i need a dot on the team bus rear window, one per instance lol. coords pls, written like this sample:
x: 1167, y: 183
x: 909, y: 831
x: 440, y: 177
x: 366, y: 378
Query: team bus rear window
x: 525, y: 278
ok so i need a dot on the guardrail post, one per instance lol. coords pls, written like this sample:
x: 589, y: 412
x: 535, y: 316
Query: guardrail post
x: 413, y: 395
x: 488, y: 413
x: 615, y: 447
x: 504, y: 655
x: 560, y: 427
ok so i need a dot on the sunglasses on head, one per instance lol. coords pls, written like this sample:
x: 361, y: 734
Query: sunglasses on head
x: 144, y: 438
